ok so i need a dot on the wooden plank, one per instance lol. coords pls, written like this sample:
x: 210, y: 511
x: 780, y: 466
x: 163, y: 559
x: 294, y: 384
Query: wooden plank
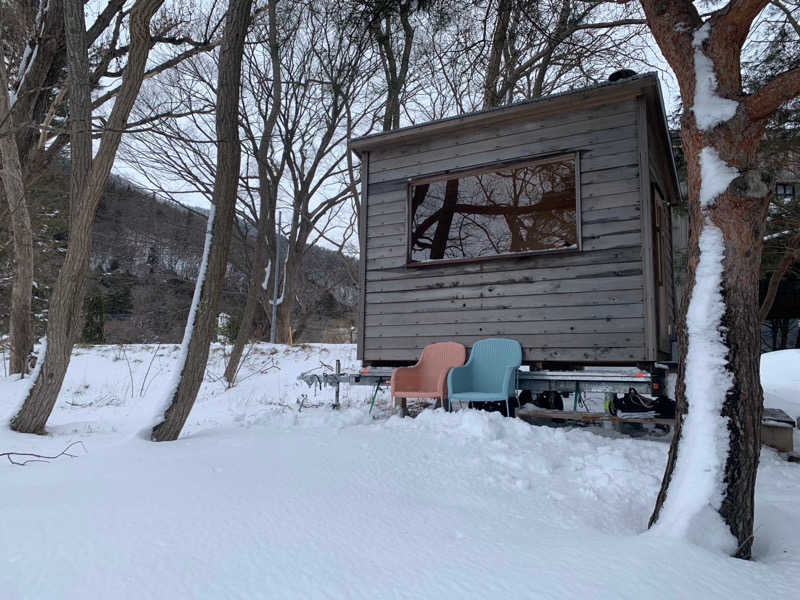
x: 650, y: 312
x: 396, y: 204
x: 608, y: 175
x: 543, y: 341
x: 598, y: 229
x: 362, y: 270
x: 501, y: 328
x: 611, y: 201
x: 500, y: 264
x: 512, y: 289
x: 387, y: 218
x: 529, y: 412
x: 607, y: 156
x: 386, y: 263
x: 623, y: 112
x: 554, y: 313
x: 387, y: 251
x: 388, y: 229
x: 505, y: 277
x: 525, y: 149
x: 613, y: 187
x: 544, y: 301
x: 489, y: 140
x: 385, y: 241
x: 515, y: 313
x: 607, y: 215
x: 612, y: 241
x: 567, y: 355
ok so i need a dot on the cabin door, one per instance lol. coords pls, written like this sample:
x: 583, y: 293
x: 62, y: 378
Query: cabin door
x: 662, y: 267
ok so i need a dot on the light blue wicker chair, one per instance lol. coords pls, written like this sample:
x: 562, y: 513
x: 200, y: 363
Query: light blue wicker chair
x: 489, y: 375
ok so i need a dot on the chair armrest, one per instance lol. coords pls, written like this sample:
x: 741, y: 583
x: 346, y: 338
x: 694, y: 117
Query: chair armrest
x: 458, y: 379
x: 399, y: 373
x: 441, y: 382
x: 510, y: 381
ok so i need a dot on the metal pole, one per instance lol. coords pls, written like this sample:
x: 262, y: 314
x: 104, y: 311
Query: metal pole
x: 338, y: 372
x: 273, y: 333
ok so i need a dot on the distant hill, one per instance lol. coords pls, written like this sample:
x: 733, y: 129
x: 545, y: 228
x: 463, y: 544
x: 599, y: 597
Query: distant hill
x: 145, y: 257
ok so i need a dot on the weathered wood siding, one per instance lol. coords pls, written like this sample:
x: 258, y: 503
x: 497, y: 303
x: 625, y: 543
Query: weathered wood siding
x: 576, y: 306
x: 662, y: 176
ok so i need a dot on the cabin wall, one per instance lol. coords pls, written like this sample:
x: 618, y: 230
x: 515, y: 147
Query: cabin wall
x: 661, y: 176
x: 584, y: 306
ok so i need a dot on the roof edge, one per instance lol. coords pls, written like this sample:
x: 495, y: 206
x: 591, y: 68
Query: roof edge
x: 603, y: 91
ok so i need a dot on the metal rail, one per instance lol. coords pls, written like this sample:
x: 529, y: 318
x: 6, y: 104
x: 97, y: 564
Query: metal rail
x: 565, y: 382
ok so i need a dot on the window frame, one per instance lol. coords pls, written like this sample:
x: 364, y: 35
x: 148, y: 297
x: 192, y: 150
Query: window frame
x: 488, y: 168
x: 785, y: 196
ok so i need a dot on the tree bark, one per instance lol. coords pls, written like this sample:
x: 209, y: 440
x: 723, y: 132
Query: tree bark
x: 491, y: 98
x: 251, y: 304
x: 739, y: 213
x: 224, y: 199
x: 20, y: 324
x: 291, y: 270
x: 88, y: 180
x: 266, y: 209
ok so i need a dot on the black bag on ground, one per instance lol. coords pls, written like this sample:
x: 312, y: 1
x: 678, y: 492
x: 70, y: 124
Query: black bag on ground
x: 634, y: 402
x: 551, y: 400
x: 500, y: 406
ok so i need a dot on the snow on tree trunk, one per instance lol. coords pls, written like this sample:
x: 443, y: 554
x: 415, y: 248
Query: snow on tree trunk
x: 202, y: 324
x: 190, y: 323
x: 714, y: 455
x: 698, y: 478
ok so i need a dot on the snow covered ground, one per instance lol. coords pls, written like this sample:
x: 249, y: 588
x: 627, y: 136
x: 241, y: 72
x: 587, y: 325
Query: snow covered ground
x: 780, y: 378
x: 258, y: 500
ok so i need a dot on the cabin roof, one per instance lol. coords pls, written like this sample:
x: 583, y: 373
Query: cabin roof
x: 574, y: 99
x: 646, y: 84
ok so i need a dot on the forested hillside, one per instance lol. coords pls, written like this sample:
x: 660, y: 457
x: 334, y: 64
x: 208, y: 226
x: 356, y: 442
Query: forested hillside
x: 145, y: 257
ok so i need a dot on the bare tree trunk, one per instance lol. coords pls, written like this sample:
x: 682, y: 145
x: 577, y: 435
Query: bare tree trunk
x: 225, y: 188
x: 251, y: 304
x: 20, y: 325
x: 266, y: 209
x: 492, y: 78
x: 288, y: 295
x: 782, y: 267
x: 88, y: 180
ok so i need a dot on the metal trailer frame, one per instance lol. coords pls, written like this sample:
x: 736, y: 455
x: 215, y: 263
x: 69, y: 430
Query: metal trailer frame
x: 606, y: 380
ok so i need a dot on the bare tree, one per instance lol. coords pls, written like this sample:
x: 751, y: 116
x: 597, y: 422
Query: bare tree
x: 202, y: 318
x: 719, y: 395
x: 268, y: 177
x: 88, y: 177
x: 37, y: 95
x: 325, y: 73
x: 20, y: 327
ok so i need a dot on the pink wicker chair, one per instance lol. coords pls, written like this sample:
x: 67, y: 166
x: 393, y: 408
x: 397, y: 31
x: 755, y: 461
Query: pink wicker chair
x: 427, y: 378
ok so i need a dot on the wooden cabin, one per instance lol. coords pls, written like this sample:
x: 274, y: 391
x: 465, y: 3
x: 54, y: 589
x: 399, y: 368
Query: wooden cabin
x: 545, y: 221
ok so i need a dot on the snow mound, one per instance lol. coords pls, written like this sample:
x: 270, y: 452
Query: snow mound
x: 263, y: 499
x: 780, y: 379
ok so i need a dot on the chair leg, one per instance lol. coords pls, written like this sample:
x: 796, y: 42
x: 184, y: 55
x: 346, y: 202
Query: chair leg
x: 403, y: 408
x: 508, y: 409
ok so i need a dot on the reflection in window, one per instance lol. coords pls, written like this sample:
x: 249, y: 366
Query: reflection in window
x: 516, y: 209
